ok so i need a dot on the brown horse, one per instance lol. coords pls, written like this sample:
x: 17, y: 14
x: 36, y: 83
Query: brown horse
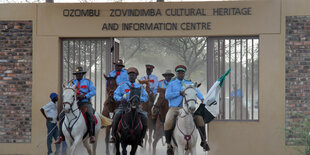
x: 147, y: 107
x: 160, y: 110
x: 109, y: 105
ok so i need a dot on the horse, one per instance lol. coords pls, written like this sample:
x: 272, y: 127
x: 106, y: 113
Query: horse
x: 161, y: 107
x: 74, y: 126
x: 185, y: 133
x: 109, y: 106
x: 130, y: 126
x: 147, y: 107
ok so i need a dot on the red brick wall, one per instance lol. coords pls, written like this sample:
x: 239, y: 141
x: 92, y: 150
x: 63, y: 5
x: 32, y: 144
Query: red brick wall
x: 297, y: 89
x: 15, y: 81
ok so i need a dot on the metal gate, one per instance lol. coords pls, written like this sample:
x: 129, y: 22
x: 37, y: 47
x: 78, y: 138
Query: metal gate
x: 95, y: 56
x: 239, y: 96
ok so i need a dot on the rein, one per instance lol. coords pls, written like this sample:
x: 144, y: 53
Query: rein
x: 76, y: 118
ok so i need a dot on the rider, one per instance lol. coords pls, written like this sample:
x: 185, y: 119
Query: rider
x: 153, y: 80
x: 162, y: 84
x: 124, y: 90
x: 119, y: 72
x: 174, y: 95
x: 85, y: 90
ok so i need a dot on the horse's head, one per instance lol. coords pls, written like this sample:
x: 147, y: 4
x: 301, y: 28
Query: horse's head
x: 69, y: 98
x: 146, y: 85
x: 189, y: 101
x: 111, y: 84
x: 134, y: 97
x: 161, y: 92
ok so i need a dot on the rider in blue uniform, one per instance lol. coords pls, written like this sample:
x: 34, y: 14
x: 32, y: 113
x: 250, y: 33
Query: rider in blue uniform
x: 85, y: 91
x: 161, y: 84
x: 119, y: 72
x: 123, y: 90
x: 174, y: 95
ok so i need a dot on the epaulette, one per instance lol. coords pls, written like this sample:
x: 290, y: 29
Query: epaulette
x: 161, y: 80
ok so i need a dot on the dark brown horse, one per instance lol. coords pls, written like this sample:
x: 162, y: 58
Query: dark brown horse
x: 147, y: 107
x: 160, y: 110
x: 109, y: 106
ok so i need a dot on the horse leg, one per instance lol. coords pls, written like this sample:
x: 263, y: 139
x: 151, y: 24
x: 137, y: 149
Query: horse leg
x: 133, y: 149
x: 74, y: 144
x: 95, y: 144
x: 124, y: 146
x: 150, y: 137
x: 117, y: 148
x: 193, y: 151
x: 85, y: 142
x: 107, y: 138
x: 146, y: 138
x: 180, y: 150
x: 157, y: 137
x: 69, y: 143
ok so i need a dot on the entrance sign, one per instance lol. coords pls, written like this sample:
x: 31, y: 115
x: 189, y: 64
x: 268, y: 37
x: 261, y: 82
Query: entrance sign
x: 159, y: 19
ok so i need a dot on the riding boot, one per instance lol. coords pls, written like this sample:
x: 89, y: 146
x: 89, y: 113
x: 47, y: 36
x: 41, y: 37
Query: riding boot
x: 168, y: 135
x: 143, y: 133
x: 116, y: 119
x: 204, y: 143
x: 92, y: 138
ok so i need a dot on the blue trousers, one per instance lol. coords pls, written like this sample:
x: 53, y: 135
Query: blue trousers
x: 52, y: 131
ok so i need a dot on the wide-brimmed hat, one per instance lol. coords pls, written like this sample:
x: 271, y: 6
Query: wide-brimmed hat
x: 119, y: 62
x: 132, y: 70
x: 79, y: 70
x: 168, y: 72
x: 148, y: 66
x: 180, y: 68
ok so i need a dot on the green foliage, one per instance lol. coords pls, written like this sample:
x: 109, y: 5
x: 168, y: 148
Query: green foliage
x: 298, y: 131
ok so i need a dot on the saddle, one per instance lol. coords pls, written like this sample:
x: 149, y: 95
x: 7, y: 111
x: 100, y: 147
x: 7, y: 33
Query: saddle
x: 123, y: 124
x: 83, y: 110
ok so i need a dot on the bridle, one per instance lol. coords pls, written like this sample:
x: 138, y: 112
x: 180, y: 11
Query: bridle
x: 186, y: 101
x: 71, y: 104
x: 76, y: 117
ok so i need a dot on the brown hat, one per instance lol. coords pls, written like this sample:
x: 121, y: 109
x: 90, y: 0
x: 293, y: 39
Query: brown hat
x: 79, y: 70
x: 132, y: 70
x: 180, y: 68
x: 119, y: 62
x: 168, y: 72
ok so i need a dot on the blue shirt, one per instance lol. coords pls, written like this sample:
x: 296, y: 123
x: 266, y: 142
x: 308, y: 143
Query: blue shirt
x: 173, y: 92
x: 123, y: 88
x: 153, y: 82
x: 163, y: 83
x: 85, y: 87
x: 123, y: 77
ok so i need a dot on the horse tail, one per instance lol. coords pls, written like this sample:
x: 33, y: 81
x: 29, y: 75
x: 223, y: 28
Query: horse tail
x: 105, y: 121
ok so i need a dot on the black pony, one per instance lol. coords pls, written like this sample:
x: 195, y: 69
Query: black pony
x: 130, y: 126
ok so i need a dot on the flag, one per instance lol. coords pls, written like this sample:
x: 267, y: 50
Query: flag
x: 213, y: 96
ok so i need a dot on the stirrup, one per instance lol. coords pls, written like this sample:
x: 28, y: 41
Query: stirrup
x: 205, y: 146
x: 92, y: 139
x: 169, y: 150
x: 113, y: 139
x: 59, y: 140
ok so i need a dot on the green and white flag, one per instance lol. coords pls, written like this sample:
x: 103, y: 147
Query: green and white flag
x: 212, y: 98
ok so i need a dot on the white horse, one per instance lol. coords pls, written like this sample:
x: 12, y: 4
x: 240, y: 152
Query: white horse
x: 185, y: 131
x: 74, y: 126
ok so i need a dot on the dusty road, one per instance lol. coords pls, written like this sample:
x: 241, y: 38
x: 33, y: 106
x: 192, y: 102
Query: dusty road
x: 161, y: 150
